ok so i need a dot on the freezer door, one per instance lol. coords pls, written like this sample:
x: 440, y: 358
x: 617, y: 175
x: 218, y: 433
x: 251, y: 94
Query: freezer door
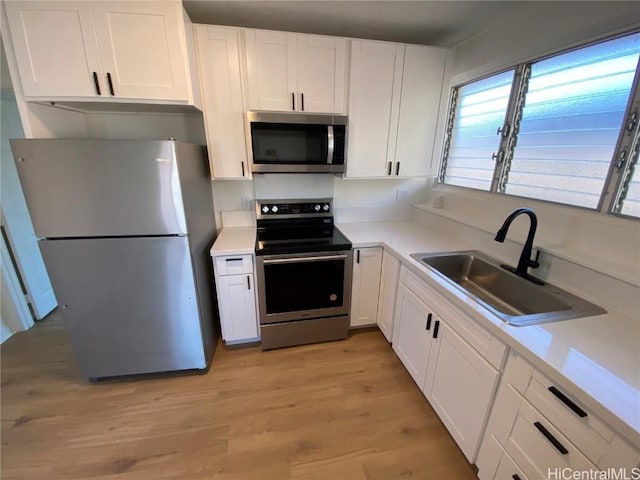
x: 87, y: 188
x: 129, y: 304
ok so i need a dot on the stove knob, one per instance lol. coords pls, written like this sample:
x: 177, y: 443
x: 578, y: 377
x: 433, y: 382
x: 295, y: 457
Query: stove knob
x: 316, y: 208
x: 325, y: 207
x: 265, y: 209
x: 274, y: 209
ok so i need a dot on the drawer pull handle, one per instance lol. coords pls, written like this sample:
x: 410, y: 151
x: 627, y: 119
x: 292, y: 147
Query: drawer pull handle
x: 553, y: 440
x: 564, y: 399
x: 428, y: 322
x: 233, y: 260
x: 515, y: 476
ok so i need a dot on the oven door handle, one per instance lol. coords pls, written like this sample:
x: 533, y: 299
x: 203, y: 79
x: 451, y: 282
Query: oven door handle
x: 304, y: 259
x: 330, y: 144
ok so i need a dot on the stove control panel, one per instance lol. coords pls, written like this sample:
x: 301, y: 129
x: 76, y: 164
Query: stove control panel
x: 294, y: 208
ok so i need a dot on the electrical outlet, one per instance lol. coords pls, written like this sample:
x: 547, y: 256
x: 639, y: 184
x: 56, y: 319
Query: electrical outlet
x: 246, y: 203
x: 402, y: 196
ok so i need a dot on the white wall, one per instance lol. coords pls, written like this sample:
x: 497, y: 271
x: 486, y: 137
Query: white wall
x: 539, y: 29
x: 598, y: 241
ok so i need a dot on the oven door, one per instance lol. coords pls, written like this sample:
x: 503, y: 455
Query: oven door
x: 304, y: 286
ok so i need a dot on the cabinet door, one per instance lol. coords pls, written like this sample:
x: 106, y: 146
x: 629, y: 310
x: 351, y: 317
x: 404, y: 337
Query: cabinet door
x: 271, y: 70
x: 366, y: 286
x: 411, y: 339
x: 374, y: 100
x: 141, y: 49
x: 388, y: 288
x: 419, y: 103
x: 508, y: 469
x: 236, y: 299
x: 55, y: 48
x: 321, y: 74
x: 460, y: 386
x: 219, y: 63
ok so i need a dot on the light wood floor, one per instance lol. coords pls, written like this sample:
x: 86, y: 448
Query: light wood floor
x: 341, y: 410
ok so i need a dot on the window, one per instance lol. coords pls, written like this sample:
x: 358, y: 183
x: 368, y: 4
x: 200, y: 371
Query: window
x: 552, y: 130
x: 481, y: 106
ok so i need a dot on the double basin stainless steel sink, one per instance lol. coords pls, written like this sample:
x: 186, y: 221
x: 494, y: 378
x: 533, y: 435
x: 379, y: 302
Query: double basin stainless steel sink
x: 513, y: 299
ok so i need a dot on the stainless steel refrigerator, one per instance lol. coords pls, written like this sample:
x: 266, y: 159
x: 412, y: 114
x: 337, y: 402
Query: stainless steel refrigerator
x: 125, y: 228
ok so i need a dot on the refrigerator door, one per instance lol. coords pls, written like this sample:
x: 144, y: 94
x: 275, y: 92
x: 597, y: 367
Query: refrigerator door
x: 129, y: 304
x: 88, y: 188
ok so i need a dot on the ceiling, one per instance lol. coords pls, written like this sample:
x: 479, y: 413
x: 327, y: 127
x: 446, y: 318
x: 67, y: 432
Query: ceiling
x: 439, y: 23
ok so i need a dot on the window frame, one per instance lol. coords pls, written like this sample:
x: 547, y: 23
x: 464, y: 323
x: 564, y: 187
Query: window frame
x: 628, y: 142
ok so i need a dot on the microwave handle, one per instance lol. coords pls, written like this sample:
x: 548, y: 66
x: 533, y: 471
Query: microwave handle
x: 330, y: 144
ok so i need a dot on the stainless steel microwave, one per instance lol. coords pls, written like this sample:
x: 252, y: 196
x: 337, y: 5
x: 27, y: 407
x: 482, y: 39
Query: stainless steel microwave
x: 297, y: 142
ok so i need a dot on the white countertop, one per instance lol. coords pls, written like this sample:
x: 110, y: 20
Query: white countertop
x: 597, y: 359
x: 234, y: 241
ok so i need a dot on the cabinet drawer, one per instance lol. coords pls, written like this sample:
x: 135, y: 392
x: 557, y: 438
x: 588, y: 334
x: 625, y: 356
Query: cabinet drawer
x: 537, y: 447
x: 584, y: 429
x: 234, y: 265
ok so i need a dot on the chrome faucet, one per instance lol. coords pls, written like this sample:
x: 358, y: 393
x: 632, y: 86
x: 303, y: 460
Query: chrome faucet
x: 525, y: 261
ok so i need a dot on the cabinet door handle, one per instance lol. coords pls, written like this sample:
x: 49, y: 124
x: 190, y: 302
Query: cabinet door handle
x: 96, y: 83
x: 553, y: 440
x: 389, y: 168
x: 436, y: 328
x: 248, y: 283
x: 397, y: 168
x: 428, y: 322
x: 293, y: 101
x: 515, y: 476
x: 113, y: 93
x: 357, y: 256
x: 302, y: 102
x: 242, y: 165
x: 567, y: 401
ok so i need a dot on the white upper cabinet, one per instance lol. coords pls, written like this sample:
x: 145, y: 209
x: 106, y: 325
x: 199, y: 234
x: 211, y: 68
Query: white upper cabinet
x: 394, y: 99
x: 104, y: 49
x: 374, y: 98
x: 141, y: 49
x: 55, y: 47
x: 422, y: 81
x: 223, y: 106
x: 295, y: 72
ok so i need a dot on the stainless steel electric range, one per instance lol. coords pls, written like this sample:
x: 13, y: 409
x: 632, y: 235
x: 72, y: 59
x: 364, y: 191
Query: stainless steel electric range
x: 304, y: 267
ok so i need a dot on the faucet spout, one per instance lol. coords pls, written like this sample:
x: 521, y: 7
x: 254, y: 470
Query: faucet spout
x: 525, y: 262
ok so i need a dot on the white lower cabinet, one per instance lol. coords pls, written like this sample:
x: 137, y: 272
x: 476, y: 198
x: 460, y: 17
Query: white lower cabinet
x: 365, y: 286
x: 444, y: 360
x: 388, y: 289
x: 543, y: 431
x: 235, y: 286
x: 460, y: 385
x: 412, y: 333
